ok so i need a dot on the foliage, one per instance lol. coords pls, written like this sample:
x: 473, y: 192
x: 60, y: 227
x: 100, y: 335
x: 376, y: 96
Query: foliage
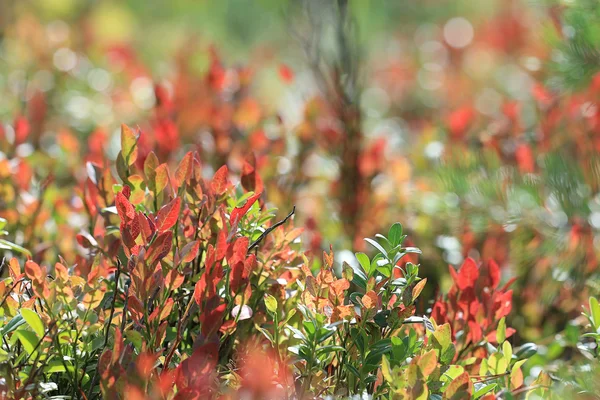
x: 151, y: 261
x: 185, y: 288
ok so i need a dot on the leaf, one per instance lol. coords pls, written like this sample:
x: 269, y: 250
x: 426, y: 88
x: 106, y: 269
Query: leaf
x: 54, y: 366
x: 150, y: 165
x: 364, y: 261
x: 162, y: 178
x: 168, y: 215
x: 128, y: 145
x: 418, y: 288
x: 5, y: 244
x: 461, y: 385
x: 386, y: 369
x: 28, y: 339
x: 34, y: 321
x: 377, y: 246
x: 467, y: 274
x: 395, y: 234
x: 501, y: 331
x: 160, y: 247
x: 239, y: 212
x: 124, y: 207
x: 138, y: 189
x: 443, y: 336
x: 370, y: 300
x: 328, y: 349
x: 190, y: 251
x: 220, y: 180
x: 33, y: 271
x: 271, y: 304
x: 347, y: 271
x: 13, y: 324
x: 135, y: 338
x: 484, y: 390
x: 427, y: 363
x: 516, y: 375
x: 497, y: 363
x: 184, y: 171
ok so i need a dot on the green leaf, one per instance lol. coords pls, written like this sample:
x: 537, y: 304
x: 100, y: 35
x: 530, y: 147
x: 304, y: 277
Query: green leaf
x: 266, y: 334
x: 28, y: 339
x: 271, y: 304
x: 329, y: 349
x: 54, y: 366
x: 135, y: 338
x: 501, y: 331
x: 2, y: 223
x: 364, y: 262
x: 377, y: 246
x: 395, y: 234
x: 484, y: 390
x: 34, y: 321
x: 13, y: 324
x: 5, y: 244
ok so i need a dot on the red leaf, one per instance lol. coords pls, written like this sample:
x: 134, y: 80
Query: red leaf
x: 160, y: 247
x: 190, y: 251
x: 200, y: 289
x: 196, y: 372
x: 250, y: 178
x: 168, y: 215
x: 239, y: 212
x: 467, y: 274
x: 147, y: 227
x: 174, y: 279
x: 494, y: 273
x: 220, y: 180
x: 124, y: 207
x: 221, y: 245
x: 237, y: 250
x: 212, y: 319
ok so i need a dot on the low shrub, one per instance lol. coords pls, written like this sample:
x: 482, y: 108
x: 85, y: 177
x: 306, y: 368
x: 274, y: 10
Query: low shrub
x: 190, y: 287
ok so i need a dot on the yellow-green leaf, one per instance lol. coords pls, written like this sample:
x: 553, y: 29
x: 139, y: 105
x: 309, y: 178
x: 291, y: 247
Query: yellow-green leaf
x: 34, y: 321
x: 128, y: 145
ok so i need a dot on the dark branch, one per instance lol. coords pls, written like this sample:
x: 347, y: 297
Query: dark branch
x: 269, y: 229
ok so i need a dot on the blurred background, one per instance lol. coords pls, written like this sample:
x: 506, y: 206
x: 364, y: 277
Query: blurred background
x: 473, y: 123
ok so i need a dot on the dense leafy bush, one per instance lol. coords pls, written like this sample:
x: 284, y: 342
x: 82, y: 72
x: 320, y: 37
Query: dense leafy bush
x: 189, y: 288
x: 184, y: 258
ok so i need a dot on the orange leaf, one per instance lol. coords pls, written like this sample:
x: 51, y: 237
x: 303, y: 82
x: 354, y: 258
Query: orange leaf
x: 418, y: 288
x: 370, y: 299
x: 162, y: 177
x: 184, y: 170
x: 220, y: 180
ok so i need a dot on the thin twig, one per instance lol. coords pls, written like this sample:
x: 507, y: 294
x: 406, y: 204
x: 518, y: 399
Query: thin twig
x: 270, y: 229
